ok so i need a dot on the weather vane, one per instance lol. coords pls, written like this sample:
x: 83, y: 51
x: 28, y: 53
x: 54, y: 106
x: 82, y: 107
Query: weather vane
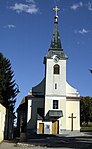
x: 56, y: 9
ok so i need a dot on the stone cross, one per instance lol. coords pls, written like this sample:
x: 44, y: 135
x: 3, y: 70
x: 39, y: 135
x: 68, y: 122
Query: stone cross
x: 72, y: 117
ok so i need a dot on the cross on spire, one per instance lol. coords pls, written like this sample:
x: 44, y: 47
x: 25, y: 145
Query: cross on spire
x: 56, y: 9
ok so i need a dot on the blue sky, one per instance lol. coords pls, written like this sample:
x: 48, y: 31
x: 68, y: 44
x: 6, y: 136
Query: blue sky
x: 26, y: 28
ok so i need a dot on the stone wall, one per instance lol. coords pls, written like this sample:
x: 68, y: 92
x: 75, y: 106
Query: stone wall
x: 2, y: 121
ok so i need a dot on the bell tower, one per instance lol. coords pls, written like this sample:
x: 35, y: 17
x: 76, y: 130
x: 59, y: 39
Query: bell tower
x: 55, y: 72
x: 55, y: 64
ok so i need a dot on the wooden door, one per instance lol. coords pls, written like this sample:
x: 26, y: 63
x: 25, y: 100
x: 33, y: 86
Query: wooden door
x: 41, y: 128
x: 55, y: 127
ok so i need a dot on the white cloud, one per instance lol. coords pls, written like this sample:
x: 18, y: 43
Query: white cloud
x: 89, y: 6
x: 76, y: 6
x: 10, y: 26
x: 28, y: 8
x: 82, y: 31
x: 30, y: 1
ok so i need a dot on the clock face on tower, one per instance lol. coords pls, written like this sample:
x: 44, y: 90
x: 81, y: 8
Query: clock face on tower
x: 55, y: 58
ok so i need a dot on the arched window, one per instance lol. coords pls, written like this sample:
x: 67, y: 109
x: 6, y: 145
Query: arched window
x: 56, y: 69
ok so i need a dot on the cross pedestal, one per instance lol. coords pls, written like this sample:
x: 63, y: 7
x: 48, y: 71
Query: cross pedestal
x: 72, y: 117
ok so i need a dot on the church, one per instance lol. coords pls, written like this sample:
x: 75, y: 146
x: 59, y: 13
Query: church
x: 53, y: 106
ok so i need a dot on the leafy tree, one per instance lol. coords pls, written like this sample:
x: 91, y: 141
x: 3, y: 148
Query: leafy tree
x: 86, y: 109
x: 8, y: 89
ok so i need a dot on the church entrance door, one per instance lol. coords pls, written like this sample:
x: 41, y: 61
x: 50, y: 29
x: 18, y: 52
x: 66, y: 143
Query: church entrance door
x: 55, y: 127
x: 41, y: 128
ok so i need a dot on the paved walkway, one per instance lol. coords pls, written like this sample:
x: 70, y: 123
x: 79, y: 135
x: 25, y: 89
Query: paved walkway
x: 7, y: 145
x: 11, y: 145
x: 70, y: 141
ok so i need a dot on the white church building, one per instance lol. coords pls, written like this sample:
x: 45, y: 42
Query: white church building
x: 53, y: 106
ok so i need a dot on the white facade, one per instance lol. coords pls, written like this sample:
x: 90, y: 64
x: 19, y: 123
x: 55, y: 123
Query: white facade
x: 52, y: 79
x: 54, y: 105
x: 73, y: 106
x: 33, y: 105
x: 2, y: 121
x: 67, y: 97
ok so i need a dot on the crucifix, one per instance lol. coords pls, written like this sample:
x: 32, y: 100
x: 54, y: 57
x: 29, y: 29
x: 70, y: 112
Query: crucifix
x: 56, y: 9
x: 72, y: 117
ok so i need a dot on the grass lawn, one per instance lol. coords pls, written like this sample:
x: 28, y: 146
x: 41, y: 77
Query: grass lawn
x: 86, y: 128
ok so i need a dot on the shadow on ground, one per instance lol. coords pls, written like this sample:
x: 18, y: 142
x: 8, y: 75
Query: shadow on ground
x: 59, y: 141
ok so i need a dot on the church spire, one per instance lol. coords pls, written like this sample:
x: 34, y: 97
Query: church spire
x: 55, y: 42
x: 56, y: 47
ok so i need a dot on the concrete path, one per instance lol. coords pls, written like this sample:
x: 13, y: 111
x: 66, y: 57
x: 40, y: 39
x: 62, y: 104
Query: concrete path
x: 71, y: 141
x: 11, y: 145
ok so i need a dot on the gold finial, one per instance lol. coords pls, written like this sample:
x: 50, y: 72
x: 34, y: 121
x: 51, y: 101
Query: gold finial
x: 56, y: 9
